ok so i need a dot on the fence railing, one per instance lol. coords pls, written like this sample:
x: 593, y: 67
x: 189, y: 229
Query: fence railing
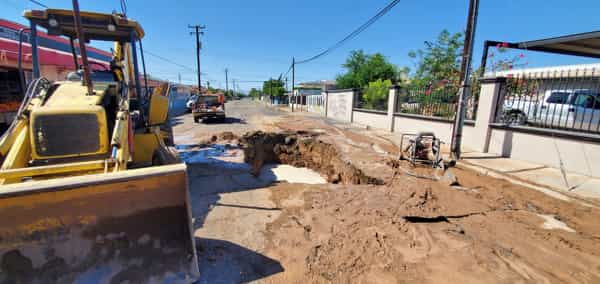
x: 434, y: 102
x: 552, y: 100
x: 376, y: 103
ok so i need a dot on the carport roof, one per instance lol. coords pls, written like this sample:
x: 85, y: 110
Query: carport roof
x: 583, y: 44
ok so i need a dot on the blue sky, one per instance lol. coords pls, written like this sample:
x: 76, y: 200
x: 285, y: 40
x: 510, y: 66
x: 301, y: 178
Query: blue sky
x: 257, y: 39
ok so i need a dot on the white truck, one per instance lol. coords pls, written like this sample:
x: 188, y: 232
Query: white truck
x: 565, y: 109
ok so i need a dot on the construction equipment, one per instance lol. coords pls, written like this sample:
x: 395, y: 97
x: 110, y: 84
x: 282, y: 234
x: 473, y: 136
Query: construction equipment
x: 89, y: 190
x: 423, y: 148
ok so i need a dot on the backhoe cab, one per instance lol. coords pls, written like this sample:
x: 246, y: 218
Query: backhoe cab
x: 86, y: 162
x: 81, y: 120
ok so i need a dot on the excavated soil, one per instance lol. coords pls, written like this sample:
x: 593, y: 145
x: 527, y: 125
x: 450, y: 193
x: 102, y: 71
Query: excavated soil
x: 413, y: 228
x: 302, y: 149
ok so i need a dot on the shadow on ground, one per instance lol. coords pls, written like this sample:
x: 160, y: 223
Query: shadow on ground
x: 214, y: 170
x: 175, y: 121
x: 209, y: 176
x: 227, y: 120
x: 225, y: 262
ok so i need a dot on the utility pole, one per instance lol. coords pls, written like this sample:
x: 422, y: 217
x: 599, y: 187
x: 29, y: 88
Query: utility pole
x: 198, y: 30
x: 292, y: 96
x: 465, y: 71
x: 179, y: 77
x: 233, y: 86
x: 226, y: 81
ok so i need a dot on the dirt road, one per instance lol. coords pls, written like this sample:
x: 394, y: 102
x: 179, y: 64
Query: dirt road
x: 391, y: 224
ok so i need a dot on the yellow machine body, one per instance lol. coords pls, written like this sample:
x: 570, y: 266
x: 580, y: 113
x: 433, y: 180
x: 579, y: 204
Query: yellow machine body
x: 88, y: 186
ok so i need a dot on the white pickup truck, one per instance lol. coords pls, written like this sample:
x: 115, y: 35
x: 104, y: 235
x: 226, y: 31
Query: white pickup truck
x: 565, y: 109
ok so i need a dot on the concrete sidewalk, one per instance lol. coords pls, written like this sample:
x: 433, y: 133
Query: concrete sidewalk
x: 552, y: 178
x: 539, y: 177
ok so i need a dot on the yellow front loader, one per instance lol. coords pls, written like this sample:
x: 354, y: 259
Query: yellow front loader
x: 90, y: 190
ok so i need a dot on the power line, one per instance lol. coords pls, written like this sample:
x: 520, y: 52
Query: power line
x: 170, y: 61
x: 38, y: 3
x: 248, y: 81
x: 353, y: 34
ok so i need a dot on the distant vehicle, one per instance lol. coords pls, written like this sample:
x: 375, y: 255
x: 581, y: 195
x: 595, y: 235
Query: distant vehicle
x: 190, y: 102
x: 209, y: 106
x: 572, y: 109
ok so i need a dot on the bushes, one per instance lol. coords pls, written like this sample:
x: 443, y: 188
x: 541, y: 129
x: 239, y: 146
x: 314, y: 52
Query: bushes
x: 375, y: 96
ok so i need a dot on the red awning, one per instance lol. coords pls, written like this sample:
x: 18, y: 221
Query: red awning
x: 10, y: 50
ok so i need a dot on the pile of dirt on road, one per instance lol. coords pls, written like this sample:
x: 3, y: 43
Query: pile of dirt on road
x: 417, y: 230
x: 301, y: 149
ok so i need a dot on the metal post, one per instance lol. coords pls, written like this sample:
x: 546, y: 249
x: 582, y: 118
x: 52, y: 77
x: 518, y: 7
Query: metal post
x: 74, y: 53
x: 293, y: 96
x: 87, y: 79
x: 20, y: 63
x: 34, y: 52
x: 144, y: 69
x: 226, y: 81
x: 233, y: 86
x: 484, y: 57
x: 136, y: 72
x: 465, y: 88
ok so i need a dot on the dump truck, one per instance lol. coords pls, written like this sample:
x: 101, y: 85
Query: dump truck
x: 90, y: 190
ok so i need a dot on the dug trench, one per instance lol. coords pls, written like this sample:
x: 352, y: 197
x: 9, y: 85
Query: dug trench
x: 411, y: 227
x: 303, y: 150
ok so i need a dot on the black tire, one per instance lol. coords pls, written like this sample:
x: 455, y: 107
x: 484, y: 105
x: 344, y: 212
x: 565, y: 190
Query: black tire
x: 514, y: 117
x: 165, y: 156
x: 196, y: 119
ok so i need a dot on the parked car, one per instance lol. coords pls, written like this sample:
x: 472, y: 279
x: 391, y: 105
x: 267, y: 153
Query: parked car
x: 569, y: 109
x: 190, y: 102
x: 209, y: 106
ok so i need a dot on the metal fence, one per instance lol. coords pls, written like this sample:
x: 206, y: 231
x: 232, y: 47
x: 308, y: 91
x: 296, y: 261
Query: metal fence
x: 361, y: 101
x: 567, y: 100
x: 434, y: 102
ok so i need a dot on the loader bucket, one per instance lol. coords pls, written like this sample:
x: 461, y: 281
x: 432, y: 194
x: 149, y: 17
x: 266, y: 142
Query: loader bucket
x: 130, y: 226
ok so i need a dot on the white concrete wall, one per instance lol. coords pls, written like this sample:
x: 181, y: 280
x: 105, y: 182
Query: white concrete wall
x: 577, y: 156
x: 442, y: 130
x: 374, y: 120
x: 339, y: 105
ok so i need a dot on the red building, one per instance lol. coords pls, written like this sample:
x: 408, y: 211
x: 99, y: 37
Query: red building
x: 56, y: 59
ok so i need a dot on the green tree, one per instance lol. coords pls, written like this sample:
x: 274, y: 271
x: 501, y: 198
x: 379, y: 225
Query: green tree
x: 376, y: 94
x: 361, y: 69
x: 438, y: 64
x: 274, y: 87
x: 254, y: 93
